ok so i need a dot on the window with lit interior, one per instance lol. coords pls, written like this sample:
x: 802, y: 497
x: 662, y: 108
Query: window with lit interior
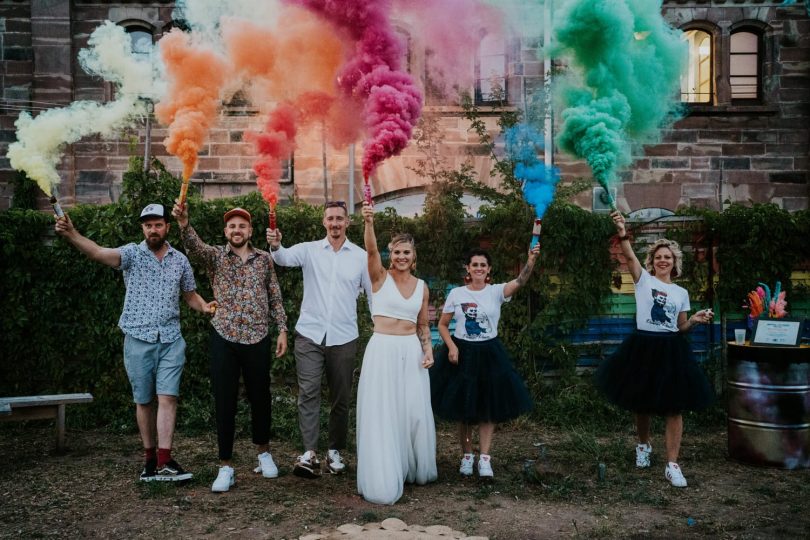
x: 696, y: 81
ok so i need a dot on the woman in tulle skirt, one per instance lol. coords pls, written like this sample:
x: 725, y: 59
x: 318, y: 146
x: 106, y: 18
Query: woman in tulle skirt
x: 654, y: 371
x: 474, y: 381
x: 396, y: 437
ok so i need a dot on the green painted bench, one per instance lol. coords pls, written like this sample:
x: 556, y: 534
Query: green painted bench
x: 41, y: 407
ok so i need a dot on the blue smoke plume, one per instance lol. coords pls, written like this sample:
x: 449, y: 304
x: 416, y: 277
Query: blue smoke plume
x: 523, y: 144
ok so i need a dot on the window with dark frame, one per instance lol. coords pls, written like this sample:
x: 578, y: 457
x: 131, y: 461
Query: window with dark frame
x: 490, y: 70
x: 744, y: 66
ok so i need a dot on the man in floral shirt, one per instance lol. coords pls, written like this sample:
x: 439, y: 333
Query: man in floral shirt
x: 248, y: 299
x: 156, y: 275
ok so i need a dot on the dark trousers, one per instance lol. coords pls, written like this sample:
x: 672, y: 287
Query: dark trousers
x: 311, y: 360
x: 228, y: 361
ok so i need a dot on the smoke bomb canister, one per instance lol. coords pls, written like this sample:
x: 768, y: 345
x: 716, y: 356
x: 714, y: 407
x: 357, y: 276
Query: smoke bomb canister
x: 536, y: 229
x: 57, y: 208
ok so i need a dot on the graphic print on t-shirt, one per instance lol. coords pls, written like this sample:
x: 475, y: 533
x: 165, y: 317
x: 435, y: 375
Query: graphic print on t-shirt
x: 661, y: 314
x: 475, y: 322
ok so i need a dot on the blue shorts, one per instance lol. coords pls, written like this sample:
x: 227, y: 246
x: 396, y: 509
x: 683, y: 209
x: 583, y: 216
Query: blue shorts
x: 154, y: 368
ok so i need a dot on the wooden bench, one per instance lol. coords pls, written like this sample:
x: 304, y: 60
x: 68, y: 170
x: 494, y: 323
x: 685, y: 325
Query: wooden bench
x: 39, y: 407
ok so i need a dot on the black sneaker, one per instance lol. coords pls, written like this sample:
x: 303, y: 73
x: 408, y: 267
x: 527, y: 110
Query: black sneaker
x: 172, y: 472
x: 149, y: 470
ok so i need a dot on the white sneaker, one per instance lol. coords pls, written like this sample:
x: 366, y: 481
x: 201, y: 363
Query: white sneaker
x: 674, y: 475
x: 335, y: 462
x: 466, y: 467
x: 225, y: 479
x: 643, y: 452
x: 266, y: 466
x: 485, y: 466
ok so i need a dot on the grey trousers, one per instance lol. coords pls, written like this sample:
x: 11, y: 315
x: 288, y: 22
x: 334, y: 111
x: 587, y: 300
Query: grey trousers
x: 311, y: 359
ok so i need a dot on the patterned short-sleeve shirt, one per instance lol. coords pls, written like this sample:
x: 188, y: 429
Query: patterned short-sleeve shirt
x: 152, y: 302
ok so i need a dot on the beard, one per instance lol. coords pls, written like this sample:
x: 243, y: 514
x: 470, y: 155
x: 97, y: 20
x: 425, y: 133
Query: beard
x: 237, y: 244
x: 155, y: 242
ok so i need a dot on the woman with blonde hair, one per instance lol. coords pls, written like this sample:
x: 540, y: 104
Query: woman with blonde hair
x: 396, y: 436
x: 654, y: 371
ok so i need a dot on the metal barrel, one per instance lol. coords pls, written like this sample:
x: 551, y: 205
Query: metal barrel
x: 769, y: 405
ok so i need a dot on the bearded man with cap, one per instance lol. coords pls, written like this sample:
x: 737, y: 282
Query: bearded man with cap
x: 248, y: 299
x: 155, y: 275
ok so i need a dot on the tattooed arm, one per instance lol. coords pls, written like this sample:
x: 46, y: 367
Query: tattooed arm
x: 423, y: 331
x: 523, y: 278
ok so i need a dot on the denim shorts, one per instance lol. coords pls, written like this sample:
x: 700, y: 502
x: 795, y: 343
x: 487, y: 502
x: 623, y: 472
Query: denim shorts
x: 154, y: 368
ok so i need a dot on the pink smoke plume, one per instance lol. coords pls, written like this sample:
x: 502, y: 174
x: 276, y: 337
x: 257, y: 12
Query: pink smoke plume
x: 196, y: 77
x: 391, y: 101
x: 275, y: 143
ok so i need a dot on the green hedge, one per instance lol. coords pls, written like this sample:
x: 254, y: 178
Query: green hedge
x: 59, y: 311
x: 58, y: 327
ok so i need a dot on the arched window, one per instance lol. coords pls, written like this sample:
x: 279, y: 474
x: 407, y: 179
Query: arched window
x: 744, y: 65
x: 696, y: 81
x: 141, y: 42
x: 490, y: 69
x: 405, y: 42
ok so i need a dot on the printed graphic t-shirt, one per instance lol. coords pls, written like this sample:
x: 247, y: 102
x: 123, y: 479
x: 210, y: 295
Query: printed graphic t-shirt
x: 658, y: 304
x: 476, y: 312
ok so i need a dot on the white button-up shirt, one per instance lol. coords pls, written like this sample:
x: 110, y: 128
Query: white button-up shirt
x: 332, y: 282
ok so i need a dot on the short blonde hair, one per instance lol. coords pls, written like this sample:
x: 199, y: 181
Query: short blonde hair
x: 402, y: 238
x: 677, y: 254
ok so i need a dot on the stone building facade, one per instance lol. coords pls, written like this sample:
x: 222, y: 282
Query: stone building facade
x: 745, y: 133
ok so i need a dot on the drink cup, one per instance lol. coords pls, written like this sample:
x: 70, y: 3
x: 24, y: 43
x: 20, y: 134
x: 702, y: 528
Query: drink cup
x: 739, y: 336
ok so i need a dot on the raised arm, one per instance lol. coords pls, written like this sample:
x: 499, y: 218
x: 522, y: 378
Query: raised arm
x: 108, y: 256
x: 195, y: 247
x: 423, y: 330
x: 512, y: 287
x: 376, y: 271
x: 627, y: 248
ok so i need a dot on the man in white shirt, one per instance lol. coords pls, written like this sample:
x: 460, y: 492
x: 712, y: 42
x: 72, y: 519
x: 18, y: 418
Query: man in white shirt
x: 335, y: 271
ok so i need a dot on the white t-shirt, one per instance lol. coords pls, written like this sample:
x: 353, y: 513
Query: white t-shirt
x: 476, y: 312
x: 658, y: 304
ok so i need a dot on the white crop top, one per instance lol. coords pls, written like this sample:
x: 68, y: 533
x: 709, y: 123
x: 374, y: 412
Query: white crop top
x: 389, y: 302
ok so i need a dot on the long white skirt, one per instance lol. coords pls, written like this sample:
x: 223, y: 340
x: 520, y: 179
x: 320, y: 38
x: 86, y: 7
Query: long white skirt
x: 396, y: 436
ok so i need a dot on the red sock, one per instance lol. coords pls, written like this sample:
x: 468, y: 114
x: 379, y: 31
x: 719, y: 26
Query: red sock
x: 163, y: 455
x: 149, y: 453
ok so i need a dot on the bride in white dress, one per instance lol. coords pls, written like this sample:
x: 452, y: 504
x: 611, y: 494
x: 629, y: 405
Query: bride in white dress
x: 396, y: 436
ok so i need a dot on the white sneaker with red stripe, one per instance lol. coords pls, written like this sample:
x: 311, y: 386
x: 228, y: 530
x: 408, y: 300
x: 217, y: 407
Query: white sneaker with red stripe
x: 674, y: 475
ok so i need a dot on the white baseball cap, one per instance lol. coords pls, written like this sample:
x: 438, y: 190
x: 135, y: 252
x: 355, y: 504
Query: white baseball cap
x: 153, y: 211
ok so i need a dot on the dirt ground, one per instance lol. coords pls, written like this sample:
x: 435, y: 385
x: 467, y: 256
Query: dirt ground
x: 91, y: 491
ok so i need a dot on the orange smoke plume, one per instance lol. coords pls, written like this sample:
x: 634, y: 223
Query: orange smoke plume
x: 302, y: 54
x: 196, y: 77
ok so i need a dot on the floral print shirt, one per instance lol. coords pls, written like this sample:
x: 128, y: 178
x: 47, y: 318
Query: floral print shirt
x: 247, y: 293
x: 152, y: 302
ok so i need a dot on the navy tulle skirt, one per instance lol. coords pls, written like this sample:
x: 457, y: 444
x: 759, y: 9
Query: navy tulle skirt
x: 654, y: 373
x: 482, y: 387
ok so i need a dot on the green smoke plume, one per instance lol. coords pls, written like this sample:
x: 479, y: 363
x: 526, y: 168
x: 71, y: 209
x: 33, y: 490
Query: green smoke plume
x: 626, y: 64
